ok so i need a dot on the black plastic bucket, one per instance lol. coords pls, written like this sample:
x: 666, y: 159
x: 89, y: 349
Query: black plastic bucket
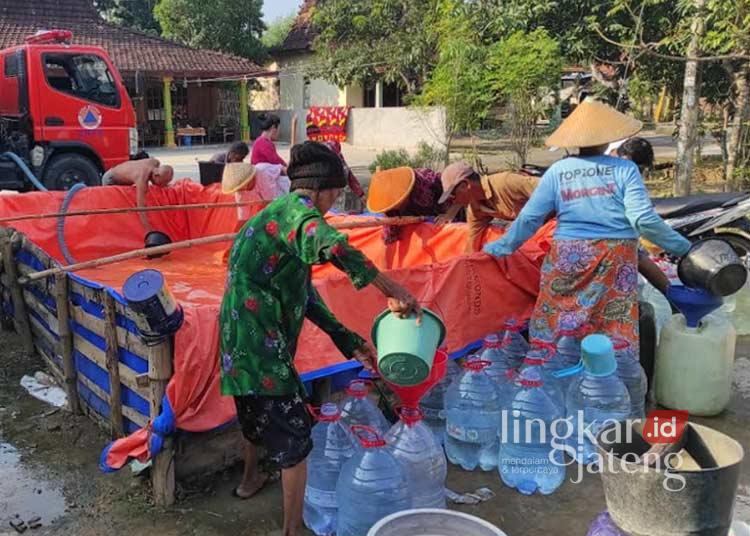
x: 154, y: 239
x: 158, y: 315
x: 649, y: 501
x: 712, y: 264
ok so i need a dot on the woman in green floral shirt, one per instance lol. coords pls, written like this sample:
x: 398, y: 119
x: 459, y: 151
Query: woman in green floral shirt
x: 269, y: 293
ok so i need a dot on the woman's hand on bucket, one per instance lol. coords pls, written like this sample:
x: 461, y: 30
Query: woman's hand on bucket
x: 400, y: 301
x: 366, y: 355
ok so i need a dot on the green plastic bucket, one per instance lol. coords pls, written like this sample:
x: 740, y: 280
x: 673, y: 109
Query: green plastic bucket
x: 406, y: 350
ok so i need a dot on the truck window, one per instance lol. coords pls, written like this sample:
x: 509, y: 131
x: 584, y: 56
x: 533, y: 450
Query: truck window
x: 11, y: 66
x: 85, y: 76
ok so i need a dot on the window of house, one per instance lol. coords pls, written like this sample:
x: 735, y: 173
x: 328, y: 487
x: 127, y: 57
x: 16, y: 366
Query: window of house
x: 155, y: 103
x: 392, y: 96
x: 85, y: 76
x: 306, y: 93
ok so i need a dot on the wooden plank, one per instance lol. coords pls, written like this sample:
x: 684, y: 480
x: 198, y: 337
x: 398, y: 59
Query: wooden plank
x: 127, y: 375
x: 127, y: 340
x: 20, y: 316
x: 47, y: 358
x: 162, y: 471
x: 38, y: 307
x: 113, y: 365
x: 130, y: 413
x: 205, y: 453
x: 65, y: 345
x: 41, y: 332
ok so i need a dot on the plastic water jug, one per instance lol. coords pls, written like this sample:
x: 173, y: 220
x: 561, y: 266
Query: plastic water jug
x: 527, y: 461
x: 472, y: 405
x: 631, y: 373
x: 492, y: 353
x: 567, y: 355
x: 597, y: 397
x: 372, y: 485
x: 694, y: 365
x: 432, y: 404
x: 332, y: 447
x: 359, y: 409
x: 662, y: 310
x: 538, y: 358
x: 512, y: 343
x: 411, y: 442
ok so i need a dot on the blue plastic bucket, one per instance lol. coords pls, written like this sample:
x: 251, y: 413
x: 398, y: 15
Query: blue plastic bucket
x: 157, y: 313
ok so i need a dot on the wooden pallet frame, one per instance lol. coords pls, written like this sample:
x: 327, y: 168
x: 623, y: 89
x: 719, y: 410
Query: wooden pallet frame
x: 86, y: 335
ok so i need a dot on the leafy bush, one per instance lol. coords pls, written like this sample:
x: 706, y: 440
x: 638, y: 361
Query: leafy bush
x: 427, y: 156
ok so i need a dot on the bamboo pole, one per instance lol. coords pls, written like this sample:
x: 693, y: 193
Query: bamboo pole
x: 185, y: 244
x: 66, y: 342
x: 113, y: 366
x: 126, y: 210
x: 20, y: 314
x: 162, y: 472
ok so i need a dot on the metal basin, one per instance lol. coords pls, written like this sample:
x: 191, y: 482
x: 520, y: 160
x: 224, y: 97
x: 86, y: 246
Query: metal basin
x: 433, y: 522
x: 712, y: 264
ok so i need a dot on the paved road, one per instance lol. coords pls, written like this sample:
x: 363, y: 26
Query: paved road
x: 185, y: 159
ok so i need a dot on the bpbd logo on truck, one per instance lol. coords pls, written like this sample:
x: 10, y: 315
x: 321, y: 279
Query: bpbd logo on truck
x: 89, y: 117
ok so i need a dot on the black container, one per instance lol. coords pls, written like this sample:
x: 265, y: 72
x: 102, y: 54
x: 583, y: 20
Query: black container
x: 210, y: 172
x: 640, y: 502
x: 154, y: 239
x: 712, y: 264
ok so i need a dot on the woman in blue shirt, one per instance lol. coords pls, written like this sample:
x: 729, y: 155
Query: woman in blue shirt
x: 590, y: 276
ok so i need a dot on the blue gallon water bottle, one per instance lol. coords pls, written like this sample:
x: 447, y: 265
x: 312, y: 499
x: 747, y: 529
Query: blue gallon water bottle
x: 332, y: 447
x: 473, y: 406
x: 512, y: 342
x: 567, y: 356
x: 432, y: 404
x: 411, y: 442
x: 357, y: 408
x: 597, y: 397
x: 492, y: 353
x: 631, y: 373
x: 528, y: 462
x: 372, y: 485
x: 538, y: 358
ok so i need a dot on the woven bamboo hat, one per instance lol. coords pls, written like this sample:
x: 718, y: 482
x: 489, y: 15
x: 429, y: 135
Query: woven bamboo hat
x: 389, y: 188
x: 237, y: 176
x: 593, y: 124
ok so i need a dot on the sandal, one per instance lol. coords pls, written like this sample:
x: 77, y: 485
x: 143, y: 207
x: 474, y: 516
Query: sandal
x: 270, y: 479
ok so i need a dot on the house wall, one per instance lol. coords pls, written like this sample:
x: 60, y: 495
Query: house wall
x: 393, y: 128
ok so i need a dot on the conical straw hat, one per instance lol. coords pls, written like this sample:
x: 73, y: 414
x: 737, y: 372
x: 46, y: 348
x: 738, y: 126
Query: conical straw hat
x: 389, y: 188
x: 237, y: 176
x: 593, y: 124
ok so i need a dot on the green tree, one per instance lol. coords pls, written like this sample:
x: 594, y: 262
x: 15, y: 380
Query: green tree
x: 362, y: 41
x: 135, y: 14
x: 458, y: 81
x: 523, y: 74
x: 233, y: 26
x: 277, y: 31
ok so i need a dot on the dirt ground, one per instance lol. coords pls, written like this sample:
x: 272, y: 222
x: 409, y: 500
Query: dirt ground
x: 48, y: 468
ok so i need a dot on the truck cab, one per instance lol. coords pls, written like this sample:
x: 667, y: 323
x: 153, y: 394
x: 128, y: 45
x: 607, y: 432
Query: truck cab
x: 64, y: 114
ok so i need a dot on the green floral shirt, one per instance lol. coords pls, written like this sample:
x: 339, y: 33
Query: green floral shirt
x: 269, y: 293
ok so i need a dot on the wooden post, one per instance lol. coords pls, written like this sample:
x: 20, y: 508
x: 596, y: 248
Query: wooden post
x: 167, y: 99
x: 162, y: 470
x: 66, y: 342
x: 113, y: 366
x: 20, y: 314
x: 293, y: 131
x: 244, y: 125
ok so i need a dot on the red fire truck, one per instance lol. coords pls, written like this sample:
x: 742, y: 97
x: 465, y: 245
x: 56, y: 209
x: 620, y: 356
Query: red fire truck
x: 65, y: 116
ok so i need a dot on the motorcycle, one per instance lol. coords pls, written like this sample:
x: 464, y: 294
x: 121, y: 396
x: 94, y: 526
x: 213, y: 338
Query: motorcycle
x: 720, y: 215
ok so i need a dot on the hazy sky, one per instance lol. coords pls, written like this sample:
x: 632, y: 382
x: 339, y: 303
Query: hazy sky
x: 273, y: 9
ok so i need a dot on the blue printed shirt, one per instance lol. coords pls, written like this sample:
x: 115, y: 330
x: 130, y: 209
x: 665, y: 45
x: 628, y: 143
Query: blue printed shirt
x: 595, y: 197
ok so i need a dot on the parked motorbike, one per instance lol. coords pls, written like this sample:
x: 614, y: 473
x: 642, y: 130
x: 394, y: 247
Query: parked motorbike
x: 721, y: 215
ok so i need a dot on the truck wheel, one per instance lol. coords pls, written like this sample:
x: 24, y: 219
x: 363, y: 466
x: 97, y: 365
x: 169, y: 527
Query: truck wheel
x: 65, y: 170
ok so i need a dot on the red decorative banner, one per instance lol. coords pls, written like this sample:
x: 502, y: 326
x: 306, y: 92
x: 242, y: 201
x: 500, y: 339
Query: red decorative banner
x: 327, y: 123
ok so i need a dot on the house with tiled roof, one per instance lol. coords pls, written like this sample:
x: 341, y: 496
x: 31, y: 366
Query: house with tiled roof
x: 171, y: 85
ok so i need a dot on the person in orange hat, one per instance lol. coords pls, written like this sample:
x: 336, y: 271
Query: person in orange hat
x: 500, y: 195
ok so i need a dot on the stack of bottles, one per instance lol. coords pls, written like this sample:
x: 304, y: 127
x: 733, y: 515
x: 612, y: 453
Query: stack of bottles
x: 332, y: 447
x: 539, y: 358
x: 372, y: 484
x: 527, y: 460
x: 473, y: 412
x: 412, y: 443
x: 596, y: 397
x: 432, y: 404
x: 359, y: 409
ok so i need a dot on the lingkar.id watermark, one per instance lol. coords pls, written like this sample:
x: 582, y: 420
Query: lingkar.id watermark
x: 574, y: 437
